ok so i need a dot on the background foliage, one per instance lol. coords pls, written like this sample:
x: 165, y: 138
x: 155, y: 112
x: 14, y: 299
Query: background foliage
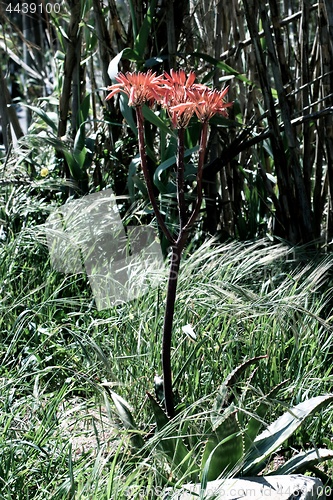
x: 269, y: 167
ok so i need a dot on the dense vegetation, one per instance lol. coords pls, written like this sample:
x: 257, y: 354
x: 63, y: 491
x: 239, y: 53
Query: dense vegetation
x: 257, y: 274
x: 269, y: 167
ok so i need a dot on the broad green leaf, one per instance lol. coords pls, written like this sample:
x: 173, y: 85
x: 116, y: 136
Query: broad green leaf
x: 256, y: 421
x: 44, y: 116
x: 84, y: 109
x: 133, y: 18
x: 140, y: 43
x: 80, y: 158
x: 224, y: 449
x: 127, y: 112
x: 192, y: 134
x: 131, y: 55
x: 73, y: 166
x: 170, y: 147
x: 165, y: 165
x: 156, y: 120
x: 279, y: 431
x: 303, y: 461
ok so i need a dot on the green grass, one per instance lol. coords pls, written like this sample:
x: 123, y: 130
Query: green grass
x: 58, y: 351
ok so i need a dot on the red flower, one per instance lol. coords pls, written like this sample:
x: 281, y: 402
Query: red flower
x: 178, y: 78
x: 175, y: 89
x: 140, y: 87
x: 177, y: 92
x: 204, y: 102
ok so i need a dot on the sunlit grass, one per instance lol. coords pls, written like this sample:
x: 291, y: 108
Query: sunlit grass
x: 241, y: 300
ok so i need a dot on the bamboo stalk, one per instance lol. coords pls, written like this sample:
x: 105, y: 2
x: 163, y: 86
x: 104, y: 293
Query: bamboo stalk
x: 247, y: 42
x: 307, y: 130
x: 302, y: 202
x: 327, y: 82
x: 329, y: 15
x: 69, y: 65
x: 280, y: 160
x: 104, y: 41
x: 171, y: 34
x: 8, y: 115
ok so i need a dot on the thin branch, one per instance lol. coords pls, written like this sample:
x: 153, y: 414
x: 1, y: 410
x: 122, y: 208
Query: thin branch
x: 201, y: 161
x: 142, y: 151
x: 180, y: 179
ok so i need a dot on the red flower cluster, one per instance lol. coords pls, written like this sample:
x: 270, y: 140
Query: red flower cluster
x: 139, y: 87
x: 176, y: 92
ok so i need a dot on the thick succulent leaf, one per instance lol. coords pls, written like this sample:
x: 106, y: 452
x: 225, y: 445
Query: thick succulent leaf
x: 224, y: 449
x: 303, y: 461
x: 125, y: 415
x: 224, y: 390
x: 233, y: 377
x: 181, y: 458
x: 279, y: 431
x: 161, y: 417
x: 256, y: 421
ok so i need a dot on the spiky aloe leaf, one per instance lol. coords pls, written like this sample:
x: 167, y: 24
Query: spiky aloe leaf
x: 224, y: 449
x: 225, y: 389
x: 256, y: 421
x: 125, y: 415
x: 279, y: 431
x: 174, y: 447
x: 303, y: 461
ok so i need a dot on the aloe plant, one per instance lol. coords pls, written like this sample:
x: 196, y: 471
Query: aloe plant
x: 232, y: 442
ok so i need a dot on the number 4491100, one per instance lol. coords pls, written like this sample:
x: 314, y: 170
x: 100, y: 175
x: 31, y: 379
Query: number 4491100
x: 32, y: 8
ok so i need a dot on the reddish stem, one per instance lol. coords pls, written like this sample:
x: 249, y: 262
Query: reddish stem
x: 142, y: 152
x: 167, y: 330
x: 175, y: 259
x: 180, y: 178
x: 177, y: 246
x: 201, y: 161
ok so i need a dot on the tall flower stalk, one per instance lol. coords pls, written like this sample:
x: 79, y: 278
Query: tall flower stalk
x: 182, y: 98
